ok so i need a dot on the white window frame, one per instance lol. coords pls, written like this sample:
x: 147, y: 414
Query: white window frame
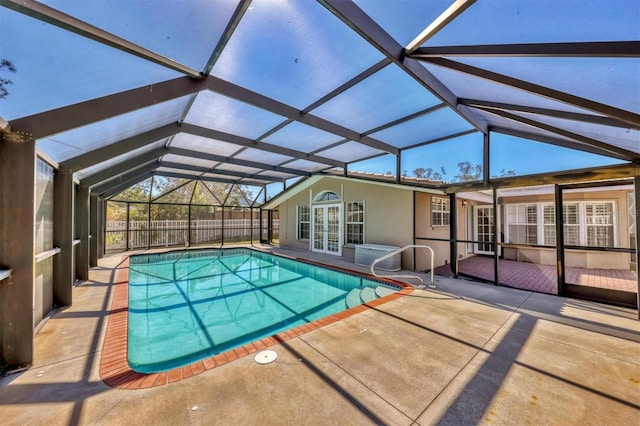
x: 299, y: 222
x: 444, y: 202
x: 325, y: 197
x: 553, y: 224
x: 539, y: 222
x: 613, y: 222
x: 582, y: 220
x: 347, y: 222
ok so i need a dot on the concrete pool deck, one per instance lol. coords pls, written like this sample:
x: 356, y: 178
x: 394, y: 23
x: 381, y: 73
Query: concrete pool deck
x: 464, y: 353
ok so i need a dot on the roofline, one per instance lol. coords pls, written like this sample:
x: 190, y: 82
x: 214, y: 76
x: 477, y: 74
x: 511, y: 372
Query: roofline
x: 543, y: 190
x: 306, y: 183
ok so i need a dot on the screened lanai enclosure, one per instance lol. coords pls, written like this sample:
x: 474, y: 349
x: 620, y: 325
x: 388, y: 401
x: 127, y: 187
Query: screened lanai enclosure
x: 164, y: 211
x: 150, y: 123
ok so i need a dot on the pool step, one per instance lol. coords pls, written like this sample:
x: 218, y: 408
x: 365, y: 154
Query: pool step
x: 367, y: 294
x: 382, y: 291
x: 358, y: 296
x: 353, y: 298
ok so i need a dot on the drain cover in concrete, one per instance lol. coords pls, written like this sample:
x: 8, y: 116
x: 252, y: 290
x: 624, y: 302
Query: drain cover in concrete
x: 266, y: 357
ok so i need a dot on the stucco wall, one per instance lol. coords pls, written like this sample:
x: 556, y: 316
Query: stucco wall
x: 388, y: 214
x: 425, y: 229
x: 389, y: 219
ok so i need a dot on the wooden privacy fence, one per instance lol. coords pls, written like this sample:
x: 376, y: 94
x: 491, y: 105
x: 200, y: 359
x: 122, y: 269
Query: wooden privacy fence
x: 159, y: 233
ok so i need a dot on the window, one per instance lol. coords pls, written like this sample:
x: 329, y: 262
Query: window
x: 303, y: 222
x: 571, y: 221
x: 550, y: 224
x: 522, y: 222
x: 44, y: 206
x: 439, y: 211
x: 354, y: 212
x: 326, y: 196
x: 585, y: 224
x: 599, y: 224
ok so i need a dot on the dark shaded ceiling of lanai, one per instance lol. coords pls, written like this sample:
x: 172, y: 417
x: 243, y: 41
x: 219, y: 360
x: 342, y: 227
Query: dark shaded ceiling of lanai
x: 295, y: 88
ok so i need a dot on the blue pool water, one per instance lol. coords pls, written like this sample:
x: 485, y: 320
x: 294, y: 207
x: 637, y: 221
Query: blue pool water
x: 187, y: 306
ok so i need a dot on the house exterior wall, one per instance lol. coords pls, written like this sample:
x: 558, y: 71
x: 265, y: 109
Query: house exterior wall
x: 578, y: 258
x: 388, y: 215
x: 425, y: 229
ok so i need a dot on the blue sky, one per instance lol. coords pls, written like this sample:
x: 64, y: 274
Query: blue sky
x: 508, y: 152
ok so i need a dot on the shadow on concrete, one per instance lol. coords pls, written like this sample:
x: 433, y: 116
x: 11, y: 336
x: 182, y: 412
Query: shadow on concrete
x: 93, y: 352
x: 78, y: 391
x: 472, y: 403
x: 342, y: 391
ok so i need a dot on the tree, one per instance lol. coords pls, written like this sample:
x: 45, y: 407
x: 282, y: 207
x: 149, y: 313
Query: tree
x: 248, y: 193
x: 429, y: 173
x: 116, y: 211
x: 473, y: 172
x: 138, y: 192
x: 4, y: 82
x: 505, y: 173
x: 468, y: 172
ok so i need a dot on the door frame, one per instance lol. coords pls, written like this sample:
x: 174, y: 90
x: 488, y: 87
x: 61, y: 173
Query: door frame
x: 325, y: 233
x: 496, y: 220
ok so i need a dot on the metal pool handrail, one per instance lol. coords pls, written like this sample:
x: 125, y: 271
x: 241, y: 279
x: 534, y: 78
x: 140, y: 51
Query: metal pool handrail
x: 400, y: 250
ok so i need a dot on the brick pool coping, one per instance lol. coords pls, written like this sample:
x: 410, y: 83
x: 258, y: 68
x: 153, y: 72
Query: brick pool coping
x: 116, y: 372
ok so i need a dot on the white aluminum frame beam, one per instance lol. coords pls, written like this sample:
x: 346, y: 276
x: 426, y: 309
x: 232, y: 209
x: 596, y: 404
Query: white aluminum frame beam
x: 452, y: 12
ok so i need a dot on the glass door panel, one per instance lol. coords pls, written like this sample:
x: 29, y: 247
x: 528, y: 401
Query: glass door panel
x: 327, y: 229
x: 318, y: 229
x: 333, y: 230
x: 484, y: 229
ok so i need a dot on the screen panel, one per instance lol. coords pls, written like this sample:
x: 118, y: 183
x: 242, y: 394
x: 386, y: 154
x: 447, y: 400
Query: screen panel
x: 75, y: 142
x: 218, y: 112
x: 185, y: 34
x: 294, y: 52
x: 77, y: 68
x: 440, y: 123
x: 302, y: 137
x: 388, y: 95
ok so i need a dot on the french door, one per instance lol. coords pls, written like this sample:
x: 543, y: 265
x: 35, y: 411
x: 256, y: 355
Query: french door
x: 483, y: 218
x: 327, y: 229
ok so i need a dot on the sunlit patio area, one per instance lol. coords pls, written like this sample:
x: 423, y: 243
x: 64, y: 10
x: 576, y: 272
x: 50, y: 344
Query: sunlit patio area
x: 540, y: 278
x: 461, y: 353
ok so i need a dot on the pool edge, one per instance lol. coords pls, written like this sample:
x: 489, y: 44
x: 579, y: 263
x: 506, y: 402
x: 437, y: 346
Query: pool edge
x: 116, y: 372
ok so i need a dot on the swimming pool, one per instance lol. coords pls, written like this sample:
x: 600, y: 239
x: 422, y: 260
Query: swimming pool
x: 186, y: 306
